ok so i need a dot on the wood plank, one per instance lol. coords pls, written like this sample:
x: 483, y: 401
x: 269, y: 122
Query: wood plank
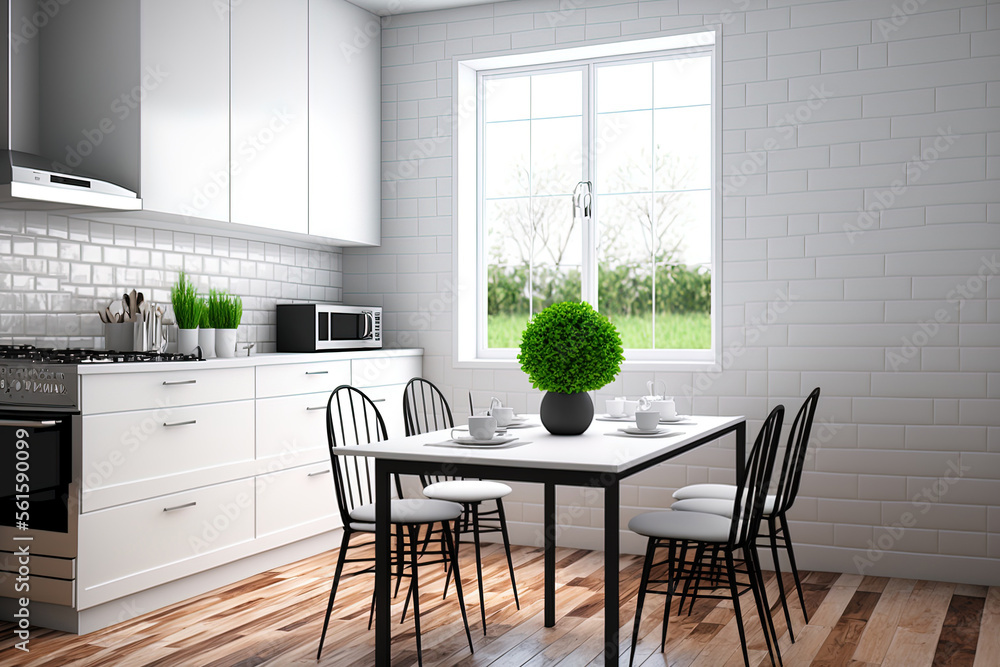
x: 884, y: 621
x: 988, y: 646
x: 915, y: 641
x: 959, y: 633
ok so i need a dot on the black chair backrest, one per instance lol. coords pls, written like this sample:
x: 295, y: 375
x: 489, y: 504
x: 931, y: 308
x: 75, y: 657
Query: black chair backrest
x: 795, y: 455
x: 352, y: 419
x: 425, y: 408
x: 748, y: 507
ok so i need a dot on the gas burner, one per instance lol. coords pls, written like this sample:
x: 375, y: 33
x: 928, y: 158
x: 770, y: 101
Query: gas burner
x: 83, y: 356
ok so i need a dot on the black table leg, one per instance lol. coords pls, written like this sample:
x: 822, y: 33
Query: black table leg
x: 741, y: 451
x: 383, y: 635
x: 611, y: 554
x: 550, y: 554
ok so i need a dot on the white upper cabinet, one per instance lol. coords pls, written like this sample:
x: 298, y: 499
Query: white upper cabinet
x: 185, y: 119
x: 269, y: 125
x: 344, y: 122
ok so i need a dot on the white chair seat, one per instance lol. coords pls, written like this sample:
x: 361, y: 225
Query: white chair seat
x: 467, y: 490
x: 725, y: 491
x: 720, y: 506
x: 682, y: 526
x: 411, y: 510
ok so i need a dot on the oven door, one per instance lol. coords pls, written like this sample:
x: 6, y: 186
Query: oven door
x: 36, y: 460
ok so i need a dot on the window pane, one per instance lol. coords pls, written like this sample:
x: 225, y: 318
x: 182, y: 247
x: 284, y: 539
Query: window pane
x: 552, y: 284
x: 683, y: 308
x: 623, y: 152
x: 625, y: 227
x: 508, y: 231
x: 507, y: 304
x: 505, y: 158
x: 556, y: 158
x: 557, y: 94
x: 683, y: 148
x: 557, y: 238
x: 506, y: 98
x: 624, y: 87
x: 625, y: 296
x: 684, y: 227
x: 682, y: 81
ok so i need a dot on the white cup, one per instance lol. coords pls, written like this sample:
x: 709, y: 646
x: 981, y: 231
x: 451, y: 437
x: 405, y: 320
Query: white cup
x: 631, y: 407
x: 481, y: 427
x: 667, y: 409
x: 647, y: 420
x: 615, y: 407
x: 504, y: 416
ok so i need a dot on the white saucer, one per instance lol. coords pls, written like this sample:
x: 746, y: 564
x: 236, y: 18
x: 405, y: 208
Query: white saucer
x: 632, y: 430
x: 609, y: 418
x: 673, y: 420
x: 519, y: 424
x: 492, y: 442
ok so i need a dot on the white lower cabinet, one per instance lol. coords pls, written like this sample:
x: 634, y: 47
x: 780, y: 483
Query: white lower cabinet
x: 129, y: 456
x: 389, y: 401
x: 291, y: 430
x: 297, y: 497
x: 131, y: 539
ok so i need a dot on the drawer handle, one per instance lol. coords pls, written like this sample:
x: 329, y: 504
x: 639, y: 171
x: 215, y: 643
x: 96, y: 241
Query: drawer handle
x: 177, y: 382
x: 180, y: 507
x: 317, y: 407
x: 317, y: 372
x: 378, y: 400
x: 192, y: 421
x: 320, y: 472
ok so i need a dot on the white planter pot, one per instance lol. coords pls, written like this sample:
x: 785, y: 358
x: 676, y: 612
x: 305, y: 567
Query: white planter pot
x: 187, y: 340
x: 225, y: 343
x: 206, y: 340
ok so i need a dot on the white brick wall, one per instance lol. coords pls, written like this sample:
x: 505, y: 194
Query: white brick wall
x: 56, y: 271
x: 879, y: 213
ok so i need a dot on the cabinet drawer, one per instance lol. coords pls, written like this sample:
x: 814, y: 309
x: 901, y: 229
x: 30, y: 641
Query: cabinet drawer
x: 118, y: 392
x: 378, y: 371
x: 288, y: 379
x: 298, y: 496
x: 291, y: 430
x: 129, y: 456
x: 43, y: 589
x: 389, y: 401
x: 122, y: 541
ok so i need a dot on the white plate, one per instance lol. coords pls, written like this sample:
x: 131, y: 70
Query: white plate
x: 632, y: 430
x: 609, y: 418
x: 523, y: 424
x: 674, y: 420
x: 492, y: 442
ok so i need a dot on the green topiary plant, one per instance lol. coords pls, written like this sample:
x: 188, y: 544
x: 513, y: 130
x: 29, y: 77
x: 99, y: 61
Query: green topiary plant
x: 186, y: 302
x: 224, y: 310
x: 570, y: 348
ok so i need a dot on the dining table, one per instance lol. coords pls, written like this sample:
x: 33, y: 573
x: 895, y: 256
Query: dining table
x: 601, y: 457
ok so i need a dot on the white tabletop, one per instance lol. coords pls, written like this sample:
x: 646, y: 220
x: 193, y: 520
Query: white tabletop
x: 596, y: 450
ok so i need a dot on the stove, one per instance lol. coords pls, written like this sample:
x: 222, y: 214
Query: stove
x: 39, y: 377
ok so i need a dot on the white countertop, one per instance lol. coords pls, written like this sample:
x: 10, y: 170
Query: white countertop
x: 596, y: 450
x: 268, y: 359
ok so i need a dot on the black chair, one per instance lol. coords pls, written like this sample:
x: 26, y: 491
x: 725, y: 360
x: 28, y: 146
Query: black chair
x: 717, y: 538
x: 352, y: 419
x: 426, y: 409
x: 717, y: 499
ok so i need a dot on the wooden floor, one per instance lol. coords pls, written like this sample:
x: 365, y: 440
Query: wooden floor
x: 275, y: 618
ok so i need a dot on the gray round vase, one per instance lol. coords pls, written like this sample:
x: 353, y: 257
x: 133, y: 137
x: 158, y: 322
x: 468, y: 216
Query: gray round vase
x: 566, y: 414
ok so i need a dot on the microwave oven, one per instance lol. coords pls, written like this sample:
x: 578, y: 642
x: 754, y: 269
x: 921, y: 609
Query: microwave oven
x: 322, y: 327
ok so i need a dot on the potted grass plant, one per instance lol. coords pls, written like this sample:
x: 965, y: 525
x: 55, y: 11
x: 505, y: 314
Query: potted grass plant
x: 206, y: 332
x: 567, y: 350
x: 188, y: 307
x: 225, y: 312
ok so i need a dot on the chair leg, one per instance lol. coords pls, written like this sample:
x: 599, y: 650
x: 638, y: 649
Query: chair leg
x: 458, y: 543
x: 736, y: 606
x: 773, y: 538
x: 453, y: 550
x: 671, y: 576
x: 414, y: 586
x: 756, y: 580
x: 400, y: 561
x: 506, y: 546
x: 647, y: 565
x: 479, y: 564
x: 333, y: 589
x: 791, y: 560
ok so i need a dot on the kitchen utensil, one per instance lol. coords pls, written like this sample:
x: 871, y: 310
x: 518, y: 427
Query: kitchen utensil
x: 133, y: 306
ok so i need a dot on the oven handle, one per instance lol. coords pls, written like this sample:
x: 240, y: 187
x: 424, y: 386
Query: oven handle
x: 26, y: 423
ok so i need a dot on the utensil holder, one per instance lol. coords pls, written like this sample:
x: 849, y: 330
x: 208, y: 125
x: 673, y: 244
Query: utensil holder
x: 119, y: 336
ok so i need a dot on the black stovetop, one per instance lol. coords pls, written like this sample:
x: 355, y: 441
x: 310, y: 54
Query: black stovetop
x: 83, y: 356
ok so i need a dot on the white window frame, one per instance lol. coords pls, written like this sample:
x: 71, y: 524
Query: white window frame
x: 469, y: 338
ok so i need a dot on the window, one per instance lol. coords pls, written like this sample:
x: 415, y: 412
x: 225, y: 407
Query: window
x: 594, y: 181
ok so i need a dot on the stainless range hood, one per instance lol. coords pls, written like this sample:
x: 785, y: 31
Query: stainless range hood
x: 54, y: 102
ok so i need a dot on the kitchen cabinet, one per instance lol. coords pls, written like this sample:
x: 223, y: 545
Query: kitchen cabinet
x: 269, y: 125
x: 345, y: 108
x: 185, y: 116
